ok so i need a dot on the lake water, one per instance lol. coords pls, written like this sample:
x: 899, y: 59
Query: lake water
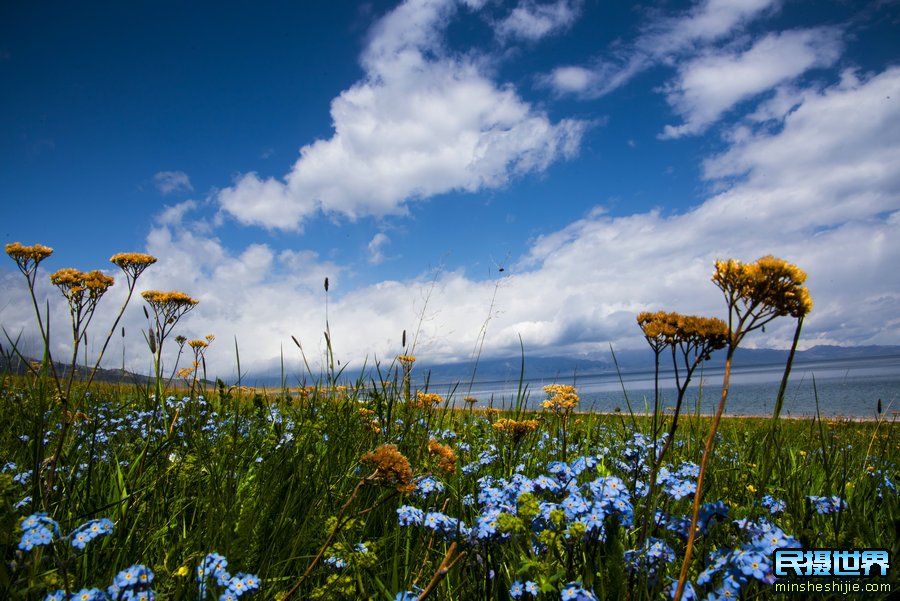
x: 849, y: 388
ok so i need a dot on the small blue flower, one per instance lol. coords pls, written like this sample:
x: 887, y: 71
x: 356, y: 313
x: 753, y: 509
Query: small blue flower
x: 688, y: 594
x: 826, y: 505
x: 410, y: 516
x: 575, y: 592
x: 516, y: 590
x: 775, y: 506
x: 336, y: 562
x: 86, y: 594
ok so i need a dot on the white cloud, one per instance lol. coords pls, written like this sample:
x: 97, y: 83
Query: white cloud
x: 532, y: 21
x: 423, y: 122
x: 174, y: 214
x: 660, y: 41
x: 821, y: 190
x: 169, y: 182
x: 709, y: 86
x: 572, y: 79
x: 376, y: 247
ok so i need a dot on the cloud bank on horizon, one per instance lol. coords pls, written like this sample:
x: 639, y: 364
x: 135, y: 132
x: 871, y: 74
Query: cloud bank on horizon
x: 802, y: 165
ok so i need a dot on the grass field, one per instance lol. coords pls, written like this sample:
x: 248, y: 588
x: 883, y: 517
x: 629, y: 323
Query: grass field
x: 284, y: 489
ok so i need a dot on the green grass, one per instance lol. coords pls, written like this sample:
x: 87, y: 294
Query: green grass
x: 263, y: 480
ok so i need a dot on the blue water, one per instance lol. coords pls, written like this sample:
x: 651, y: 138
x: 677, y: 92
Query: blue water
x: 849, y: 388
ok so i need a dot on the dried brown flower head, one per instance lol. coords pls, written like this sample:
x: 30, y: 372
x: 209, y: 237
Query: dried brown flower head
x: 391, y: 467
x: 445, y: 455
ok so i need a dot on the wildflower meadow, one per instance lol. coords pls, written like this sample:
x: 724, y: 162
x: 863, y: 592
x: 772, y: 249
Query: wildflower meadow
x: 382, y: 487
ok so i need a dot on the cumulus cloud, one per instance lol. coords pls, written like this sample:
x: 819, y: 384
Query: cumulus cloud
x: 424, y: 121
x: 660, y: 41
x: 532, y: 20
x: 708, y: 86
x: 169, y: 182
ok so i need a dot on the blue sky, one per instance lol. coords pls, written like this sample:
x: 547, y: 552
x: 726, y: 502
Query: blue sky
x: 604, y: 154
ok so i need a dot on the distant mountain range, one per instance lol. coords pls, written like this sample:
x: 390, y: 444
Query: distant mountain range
x: 509, y: 368
x: 16, y: 366
x: 637, y: 361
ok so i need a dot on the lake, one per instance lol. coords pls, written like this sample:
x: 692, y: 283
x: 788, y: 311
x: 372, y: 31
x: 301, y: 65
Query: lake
x: 849, y: 388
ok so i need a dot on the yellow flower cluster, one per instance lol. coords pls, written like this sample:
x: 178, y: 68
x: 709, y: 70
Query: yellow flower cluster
x: 74, y: 284
x: 369, y: 420
x: 168, y: 306
x: 426, y: 400
x: 663, y: 328
x: 470, y: 400
x: 187, y: 372
x: 406, y: 359
x: 562, y: 399
x: 770, y: 282
x: 515, y: 429
x: 198, y: 344
x: 133, y: 264
x: 168, y: 299
x: 391, y: 467
x: 445, y: 455
x: 28, y: 257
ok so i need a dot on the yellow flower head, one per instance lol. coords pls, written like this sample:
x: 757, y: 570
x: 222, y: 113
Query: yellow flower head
x: 74, y: 284
x: 516, y: 430
x: 691, y: 332
x: 445, y: 455
x: 68, y: 279
x: 426, y: 400
x: 28, y: 257
x: 769, y: 283
x: 470, y: 400
x: 97, y: 283
x: 562, y: 399
x: 168, y: 308
x: 156, y: 298
x: 133, y: 264
x: 659, y: 328
x: 406, y: 360
x: 198, y: 344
